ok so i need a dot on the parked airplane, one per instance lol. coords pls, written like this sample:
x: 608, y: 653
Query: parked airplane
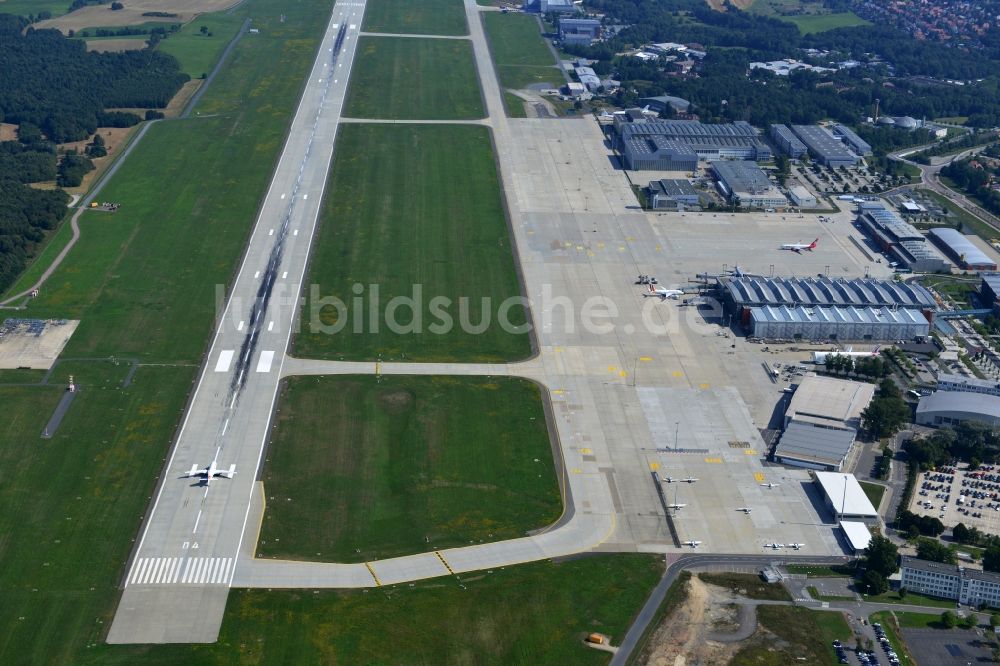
x: 774, y: 546
x: 796, y: 546
x: 692, y: 543
x: 676, y: 507
x: 211, y: 472
x: 798, y: 247
x: 745, y: 509
x: 819, y: 358
x: 769, y: 485
x: 668, y: 479
x: 662, y: 292
x: 689, y: 479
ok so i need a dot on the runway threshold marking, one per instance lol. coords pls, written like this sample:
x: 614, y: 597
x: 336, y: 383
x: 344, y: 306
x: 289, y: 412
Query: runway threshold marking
x: 225, y: 359
x: 444, y: 562
x: 372, y: 572
x: 264, y: 364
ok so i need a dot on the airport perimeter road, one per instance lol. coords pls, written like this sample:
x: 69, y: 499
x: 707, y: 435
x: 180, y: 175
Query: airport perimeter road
x: 181, y: 570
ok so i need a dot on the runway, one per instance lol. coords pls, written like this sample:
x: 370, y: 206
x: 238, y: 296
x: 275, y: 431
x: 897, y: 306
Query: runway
x: 184, y: 564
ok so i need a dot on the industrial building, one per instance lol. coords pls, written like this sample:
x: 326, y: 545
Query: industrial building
x: 826, y: 402
x: 745, y: 291
x: 804, y: 445
x: 579, y: 31
x: 843, y: 324
x: 744, y: 184
x: 845, y: 497
x: 947, y: 581
x: 853, y: 141
x: 588, y: 77
x: 961, y: 250
x: 787, y: 142
x: 657, y: 153
x: 732, y: 141
x: 944, y: 408
x: 801, y: 197
x: 951, y: 382
x: 660, y: 103
x: 824, y: 147
x: 989, y: 289
x: 551, y: 6
x: 906, y: 246
x: 857, y: 535
x: 575, y: 89
x: 668, y: 192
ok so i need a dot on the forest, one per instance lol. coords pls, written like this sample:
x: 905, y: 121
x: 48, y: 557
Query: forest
x: 55, y: 84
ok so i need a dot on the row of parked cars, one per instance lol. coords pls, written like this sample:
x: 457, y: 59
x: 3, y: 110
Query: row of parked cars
x: 886, y: 645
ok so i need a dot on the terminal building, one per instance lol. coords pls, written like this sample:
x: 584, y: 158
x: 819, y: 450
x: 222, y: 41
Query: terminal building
x: 744, y: 184
x: 739, y: 293
x: 822, y: 422
x: 837, y: 324
x: 844, y: 496
x: 579, y: 31
x: 853, y: 141
x: 636, y: 135
x: 900, y: 240
x: 667, y: 193
x: 961, y: 250
x: 945, y: 408
x: 787, y: 142
x: 947, y: 581
x: 824, y: 147
x: 952, y: 382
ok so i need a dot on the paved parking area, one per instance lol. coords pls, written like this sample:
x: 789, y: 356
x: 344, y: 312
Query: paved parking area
x: 958, y: 495
x: 943, y: 647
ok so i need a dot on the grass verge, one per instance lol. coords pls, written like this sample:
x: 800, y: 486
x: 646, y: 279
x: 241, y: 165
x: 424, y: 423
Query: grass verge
x: 405, y: 464
x: 748, y: 585
x: 430, y: 79
x: 413, y: 211
x: 198, y: 51
x: 815, y: 594
x: 873, y: 492
x: 804, y: 636
x: 893, y: 633
x: 427, y: 17
x: 519, y: 52
x: 819, y: 571
x: 911, y: 598
x: 535, y: 613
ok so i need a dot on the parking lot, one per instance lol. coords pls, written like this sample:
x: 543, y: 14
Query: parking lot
x: 943, y: 647
x: 959, y: 495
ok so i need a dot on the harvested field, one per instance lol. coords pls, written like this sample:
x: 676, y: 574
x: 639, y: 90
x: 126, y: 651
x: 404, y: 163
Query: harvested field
x: 8, y: 132
x: 116, y: 45
x: 102, y: 16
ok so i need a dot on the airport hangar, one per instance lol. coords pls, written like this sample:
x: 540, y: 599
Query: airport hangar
x: 961, y: 250
x: 822, y: 422
x: 845, y: 497
x: 943, y: 408
x: 677, y: 145
x: 900, y: 240
x: 823, y: 308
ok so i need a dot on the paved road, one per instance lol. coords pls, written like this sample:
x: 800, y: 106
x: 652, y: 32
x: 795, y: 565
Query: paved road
x: 186, y: 559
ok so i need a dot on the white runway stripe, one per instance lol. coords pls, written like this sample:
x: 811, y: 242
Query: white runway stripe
x: 137, y: 569
x: 187, y: 570
x: 225, y: 358
x: 264, y: 364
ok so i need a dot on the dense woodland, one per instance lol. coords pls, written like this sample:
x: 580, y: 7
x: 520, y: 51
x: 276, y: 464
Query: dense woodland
x: 52, y: 82
x: 902, y: 72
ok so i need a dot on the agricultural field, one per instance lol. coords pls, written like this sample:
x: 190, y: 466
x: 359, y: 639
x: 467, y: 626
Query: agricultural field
x: 198, y: 52
x: 413, y: 211
x: 381, y: 467
x: 529, y: 614
x: 430, y: 79
x: 428, y: 17
x: 823, y: 22
x: 33, y: 7
x: 519, y: 52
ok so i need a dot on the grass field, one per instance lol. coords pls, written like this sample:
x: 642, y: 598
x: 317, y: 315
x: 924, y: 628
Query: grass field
x: 430, y: 79
x: 823, y: 22
x: 405, y: 465
x: 804, y: 636
x: 427, y: 17
x: 970, y: 221
x: 873, y: 492
x: 816, y: 594
x: 529, y: 614
x: 33, y: 7
x: 748, y: 585
x: 909, y: 620
x: 519, y: 52
x: 911, y: 598
x: 885, y: 618
x: 196, y: 52
x: 413, y: 208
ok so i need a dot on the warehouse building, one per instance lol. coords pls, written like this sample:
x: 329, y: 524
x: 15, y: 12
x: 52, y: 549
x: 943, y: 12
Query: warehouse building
x: 947, y: 381
x: 989, y: 289
x: 845, y: 497
x: 970, y: 587
x: 551, y: 6
x: 588, y: 77
x: 804, y: 445
x: 744, y: 291
x: 852, y: 140
x: 857, y: 535
x: 787, y: 142
x: 801, y: 197
x: 668, y: 192
x: 824, y: 147
x: 656, y: 153
x: 660, y: 103
x: 833, y: 404
x: 732, y: 141
x: 744, y: 184
x: 579, y: 31
x: 961, y: 250
x: 843, y: 324
x: 906, y: 246
x: 945, y: 408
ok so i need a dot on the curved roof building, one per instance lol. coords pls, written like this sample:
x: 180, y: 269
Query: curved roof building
x: 943, y: 408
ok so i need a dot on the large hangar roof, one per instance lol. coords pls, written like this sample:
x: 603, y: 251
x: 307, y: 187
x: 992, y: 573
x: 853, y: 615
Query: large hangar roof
x: 830, y: 402
x: 850, y: 500
x: 860, y: 292
x: 808, y: 443
x: 837, y: 315
x: 960, y: 246
x: 959, y: 402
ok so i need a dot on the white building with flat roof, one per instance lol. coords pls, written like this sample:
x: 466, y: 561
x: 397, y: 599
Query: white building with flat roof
x: 829, y: 403
x: 846, y: 498
x: 857, y: 535
x: 801, y: 197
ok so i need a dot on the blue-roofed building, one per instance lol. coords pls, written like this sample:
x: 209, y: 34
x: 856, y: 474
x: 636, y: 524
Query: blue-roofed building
x: 787, y: 142
x: 945, y: 408
x: 961, y: 250
x: 754, y: 290
x: 845, y: 324
x: 906, y: 246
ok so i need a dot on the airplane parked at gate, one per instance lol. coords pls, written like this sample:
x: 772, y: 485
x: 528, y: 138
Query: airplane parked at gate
x: 210, y: 472
x: 692, y: 543
x: 769, y: 485
x: 662, y: 292
x: 798, y: 247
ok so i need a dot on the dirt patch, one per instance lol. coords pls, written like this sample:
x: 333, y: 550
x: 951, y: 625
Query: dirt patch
x: 682, y: 637
x: 115, y: 45
x: 8, y: 132
x: 717, y: 5
x: 102, y: 16
x: 395, y: 401
x: 741, y: 4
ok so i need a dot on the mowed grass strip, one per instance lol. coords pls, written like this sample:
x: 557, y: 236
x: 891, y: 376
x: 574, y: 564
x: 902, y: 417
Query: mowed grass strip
x: 409, y: 78
x: 519, y: 52
x: 427, y: 17
x: 405, y: 464
x: 535, y: 613
x: 412, y: 211
x: 197, y: 52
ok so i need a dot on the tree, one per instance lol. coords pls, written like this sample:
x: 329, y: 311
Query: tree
x: 994, y: 620
x: 881, y: 556
x: 115, y: 6
x: 960, y: 533
x: 203, y: 30
x: 934, y: 551
x: 949, y: 620
x: 991, y: 559
x: 874, y: 582
x: 902, y: 592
